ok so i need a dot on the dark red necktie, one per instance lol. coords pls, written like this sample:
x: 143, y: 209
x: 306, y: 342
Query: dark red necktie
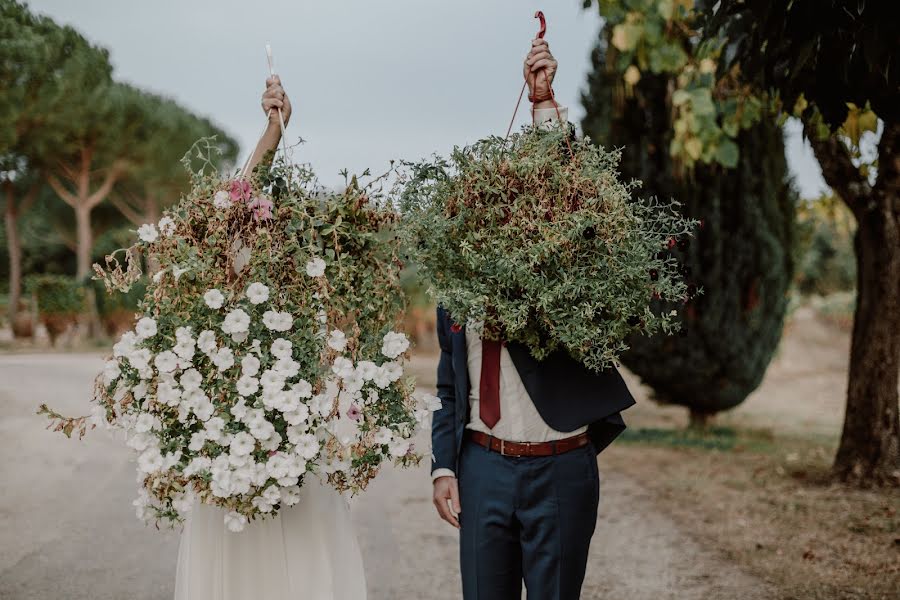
x: 489, y: 389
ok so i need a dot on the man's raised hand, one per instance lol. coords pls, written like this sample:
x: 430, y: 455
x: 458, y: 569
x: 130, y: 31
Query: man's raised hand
x: 539, y: 59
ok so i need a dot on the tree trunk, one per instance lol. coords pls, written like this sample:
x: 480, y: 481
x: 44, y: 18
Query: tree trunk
x: 869, y: 452
x: 84, y: 238
x: 14, y: 248
x: 700, y: 419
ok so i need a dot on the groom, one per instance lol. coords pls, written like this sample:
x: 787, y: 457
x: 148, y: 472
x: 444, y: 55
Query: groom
x: 515, y: 443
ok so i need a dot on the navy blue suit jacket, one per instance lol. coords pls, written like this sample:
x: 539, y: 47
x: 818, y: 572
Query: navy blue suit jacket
x: 565, y: 393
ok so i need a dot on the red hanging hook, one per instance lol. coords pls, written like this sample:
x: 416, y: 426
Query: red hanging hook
x: 540, y: 15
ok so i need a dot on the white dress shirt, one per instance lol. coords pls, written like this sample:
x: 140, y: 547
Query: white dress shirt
x: 519, y: 419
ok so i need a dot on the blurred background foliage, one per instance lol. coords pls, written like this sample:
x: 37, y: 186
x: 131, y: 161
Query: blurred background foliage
x: 84, y: 160
x: 653, y: 92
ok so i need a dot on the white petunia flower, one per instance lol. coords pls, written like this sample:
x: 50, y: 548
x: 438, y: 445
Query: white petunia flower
x: 287, y: 367
x: 271, y: 380
x: 145, y: 422
x: 247, y: 386
x: 191, y: 379
x: 337, y: 340
x: 111, y: 371
x: 242, y: 444
x: 398, y: 447
x: 298, y: 416
x: 420, y: 415
x: 150, y: 460
x: 125, y: 345
x: 343, y: 367
x: 197, y: 465
x: 177, y: 272
x: 249, y: 366
x: 167, y: 226
x: 387, y: 374
x: 432, y: 402
x: 239, y: 410
x: 302, y: 388
x: 394, y: 344
x: 166, y: 361
x: 185, y: 349
x: 213, y: 428
x: 353, y: 384
x: 198, y: 440
x: 235, y: 521
x: 145, y: 328
x: 307, y: 446
x: 206, y: 341
x: 315, y: 267
x: 366, y: 370
x: 257, y: 293
x: 167, y: 394
x: 321, y: 404
x: 139, y: 391
x: 237, y: 321
x: 278, y: 321
x: 282, y: 348
x: 383, y: 436
x: 223, y: 359
x: 183, y: 502
x: 214, y: 299
x: 290, y: 495
x: 148, y: 233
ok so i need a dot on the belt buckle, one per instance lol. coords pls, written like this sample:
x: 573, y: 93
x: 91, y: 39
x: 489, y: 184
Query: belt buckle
x: 502, y: 447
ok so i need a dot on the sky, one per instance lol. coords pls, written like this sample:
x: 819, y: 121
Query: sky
x: 370, y: 80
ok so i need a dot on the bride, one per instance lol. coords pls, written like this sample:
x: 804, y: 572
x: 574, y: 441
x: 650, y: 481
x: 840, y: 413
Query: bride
x: 308, y: 551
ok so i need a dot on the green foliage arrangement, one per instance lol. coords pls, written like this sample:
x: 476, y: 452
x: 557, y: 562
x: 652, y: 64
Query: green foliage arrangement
x: 539, y: 239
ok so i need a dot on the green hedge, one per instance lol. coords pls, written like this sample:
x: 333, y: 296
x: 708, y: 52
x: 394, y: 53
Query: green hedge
x: 56, y: 294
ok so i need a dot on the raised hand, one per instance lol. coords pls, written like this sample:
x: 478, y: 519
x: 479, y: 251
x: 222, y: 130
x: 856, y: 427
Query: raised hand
x: 539, y: 70
x: 274, y: 98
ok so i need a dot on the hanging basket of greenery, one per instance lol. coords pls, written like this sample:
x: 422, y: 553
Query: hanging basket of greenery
x: 537, y: 238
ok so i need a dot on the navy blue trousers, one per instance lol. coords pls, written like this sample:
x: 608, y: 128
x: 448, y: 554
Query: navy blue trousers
x: 528, y: 519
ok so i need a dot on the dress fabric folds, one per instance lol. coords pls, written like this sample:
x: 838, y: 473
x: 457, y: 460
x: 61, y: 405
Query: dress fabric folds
x: 307, y: 552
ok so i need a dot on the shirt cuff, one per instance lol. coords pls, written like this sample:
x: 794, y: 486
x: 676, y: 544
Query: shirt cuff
x: 548, y: 115
x: 442, y: 473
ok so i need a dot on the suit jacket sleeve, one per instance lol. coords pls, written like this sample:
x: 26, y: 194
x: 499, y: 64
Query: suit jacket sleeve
x: 443, y: 423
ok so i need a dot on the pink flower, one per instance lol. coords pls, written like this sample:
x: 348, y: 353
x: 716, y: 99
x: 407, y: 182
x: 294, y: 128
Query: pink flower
x: 354, y: 413
x: 261, y: 207
x: 240, y: 190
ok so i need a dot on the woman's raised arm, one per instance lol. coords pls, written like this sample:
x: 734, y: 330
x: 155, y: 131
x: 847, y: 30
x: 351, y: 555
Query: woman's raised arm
x: 272, y: 99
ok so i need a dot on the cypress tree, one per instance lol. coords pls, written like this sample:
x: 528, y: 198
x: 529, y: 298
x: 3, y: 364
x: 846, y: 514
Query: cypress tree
x: 740, y: 258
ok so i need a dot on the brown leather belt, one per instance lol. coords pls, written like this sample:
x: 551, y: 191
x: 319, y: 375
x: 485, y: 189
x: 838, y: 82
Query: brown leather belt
x: 523, y: 449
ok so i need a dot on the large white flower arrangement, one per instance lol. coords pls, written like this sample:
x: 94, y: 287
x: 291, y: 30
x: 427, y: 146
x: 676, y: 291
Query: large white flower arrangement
x: 266, y: 351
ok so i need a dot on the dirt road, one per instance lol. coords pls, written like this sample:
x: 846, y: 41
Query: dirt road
x: 67, y: 530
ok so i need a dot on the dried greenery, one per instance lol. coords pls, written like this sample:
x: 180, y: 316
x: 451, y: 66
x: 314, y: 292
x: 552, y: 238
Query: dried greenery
x: 538, y: 238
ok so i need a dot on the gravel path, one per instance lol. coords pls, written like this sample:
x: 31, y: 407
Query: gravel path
x: 67, y: 529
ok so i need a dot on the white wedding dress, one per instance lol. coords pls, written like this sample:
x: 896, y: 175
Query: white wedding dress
x: 308, y: 552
